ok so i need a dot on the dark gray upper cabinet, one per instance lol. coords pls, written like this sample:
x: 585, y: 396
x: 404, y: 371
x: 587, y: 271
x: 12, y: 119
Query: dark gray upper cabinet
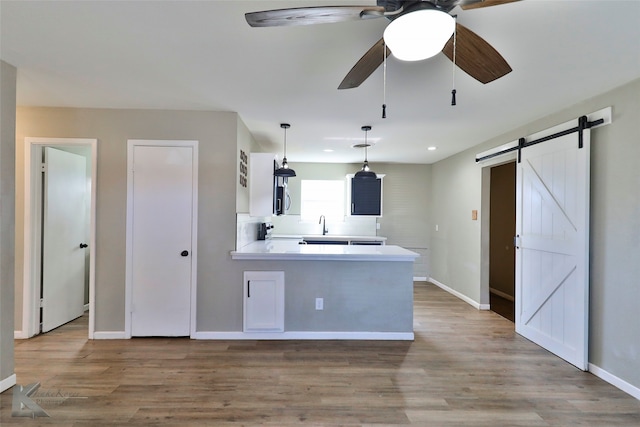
x: 366, y: 196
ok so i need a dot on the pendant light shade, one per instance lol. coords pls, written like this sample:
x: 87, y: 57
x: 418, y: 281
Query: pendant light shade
x: 419, y: 34
x: 365, y: 172
x: 284, y: 170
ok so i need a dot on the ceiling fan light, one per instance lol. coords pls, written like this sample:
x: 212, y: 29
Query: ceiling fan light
x: 419, y: 35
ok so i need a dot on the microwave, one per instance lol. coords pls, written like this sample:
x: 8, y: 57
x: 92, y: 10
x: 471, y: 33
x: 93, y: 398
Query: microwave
x: 282, y: 199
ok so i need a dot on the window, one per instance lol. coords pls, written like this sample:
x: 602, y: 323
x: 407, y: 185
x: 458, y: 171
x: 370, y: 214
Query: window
x: 321, y: 197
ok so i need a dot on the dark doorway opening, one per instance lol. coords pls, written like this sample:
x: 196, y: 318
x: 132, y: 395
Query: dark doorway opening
x: 502, y: 225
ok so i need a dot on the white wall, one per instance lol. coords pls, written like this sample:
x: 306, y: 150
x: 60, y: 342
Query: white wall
x: 615, y: 223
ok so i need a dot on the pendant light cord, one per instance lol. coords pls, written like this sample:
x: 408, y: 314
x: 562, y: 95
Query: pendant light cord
x: 366, y: 144
x: 453, y: 73
x: 285, y: 142
x: 384, y: 81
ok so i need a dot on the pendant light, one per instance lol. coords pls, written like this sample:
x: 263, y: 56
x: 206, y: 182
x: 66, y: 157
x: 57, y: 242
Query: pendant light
x: 365, y: 172
x: 284, y: 170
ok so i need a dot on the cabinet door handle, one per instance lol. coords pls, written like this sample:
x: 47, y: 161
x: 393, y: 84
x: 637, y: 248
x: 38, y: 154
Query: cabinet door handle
x: 352, y: 207
x: 248, y: 288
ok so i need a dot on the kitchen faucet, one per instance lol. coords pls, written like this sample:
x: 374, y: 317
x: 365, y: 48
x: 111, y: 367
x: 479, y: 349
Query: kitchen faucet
x: 324, y: 225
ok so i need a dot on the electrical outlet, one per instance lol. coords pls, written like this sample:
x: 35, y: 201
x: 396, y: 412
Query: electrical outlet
x: 319, y: 303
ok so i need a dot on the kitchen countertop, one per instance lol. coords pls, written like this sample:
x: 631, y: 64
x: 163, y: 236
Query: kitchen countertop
x: 291, y: 250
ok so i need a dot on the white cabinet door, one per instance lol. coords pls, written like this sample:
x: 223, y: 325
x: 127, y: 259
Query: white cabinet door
x: 552, y: 254
x: 261, y: 167
x: 264, y: 301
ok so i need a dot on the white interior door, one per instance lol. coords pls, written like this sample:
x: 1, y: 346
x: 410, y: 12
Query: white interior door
x: 63, y: 231
x: 161, y: 249
x: 552, y: 224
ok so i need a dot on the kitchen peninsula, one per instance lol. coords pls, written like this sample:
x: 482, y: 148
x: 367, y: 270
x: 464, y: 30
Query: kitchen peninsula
x: 333, y: 291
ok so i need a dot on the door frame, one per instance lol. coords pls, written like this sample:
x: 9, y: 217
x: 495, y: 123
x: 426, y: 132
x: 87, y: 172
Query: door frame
x: 31, y: 229
x: 131, y: 144
x: 504, y: 154
x: 485, y: 224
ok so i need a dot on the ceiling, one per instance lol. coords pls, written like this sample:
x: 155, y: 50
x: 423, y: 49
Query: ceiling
x: 202, y: 55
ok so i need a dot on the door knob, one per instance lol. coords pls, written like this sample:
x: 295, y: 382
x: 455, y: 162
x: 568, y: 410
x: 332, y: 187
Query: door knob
x: 184, y: 253
x: 83, y: 245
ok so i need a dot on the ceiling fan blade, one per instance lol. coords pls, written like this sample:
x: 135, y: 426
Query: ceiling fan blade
x: 475, y: 56
x: 312, y: 15
x: 369, y: 62
x: 485, y: 3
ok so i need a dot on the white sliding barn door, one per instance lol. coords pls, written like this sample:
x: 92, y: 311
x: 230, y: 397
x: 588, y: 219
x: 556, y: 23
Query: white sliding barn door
x: 63, y: 233
x: 162, y: 215
x: 552, y: 256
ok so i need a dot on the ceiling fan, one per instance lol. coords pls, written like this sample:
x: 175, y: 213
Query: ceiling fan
x: 473, y: 54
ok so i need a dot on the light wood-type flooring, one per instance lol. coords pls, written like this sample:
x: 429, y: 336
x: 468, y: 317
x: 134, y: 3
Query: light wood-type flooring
x: 465, y: 368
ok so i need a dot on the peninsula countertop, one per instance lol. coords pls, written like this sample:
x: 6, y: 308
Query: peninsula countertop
x: 291, y: 250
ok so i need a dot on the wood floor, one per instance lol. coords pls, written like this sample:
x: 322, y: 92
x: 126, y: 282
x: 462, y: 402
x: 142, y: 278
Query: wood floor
x: 465, y: 368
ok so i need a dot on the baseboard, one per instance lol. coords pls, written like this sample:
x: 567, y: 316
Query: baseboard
x: 502, y: 294
x: 463, y: 297
x: 310, y: 335
x: 615, y: 381
x: 420, y: 279
x: 109, y: 335
x: 20, y: 335
x: 7, y: 383
x: 86, y: 307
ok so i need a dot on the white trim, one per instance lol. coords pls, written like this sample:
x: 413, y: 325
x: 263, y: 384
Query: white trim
x: 501, y: 294
x: 463, y: 297
x: 420, y: 279
x: 7, y: 383
x: 499, y: 159
x: 110, y: 335
x: 615, y: 381
x: 305, y: 335
x: 29, y: 301
x: 20, y: 335
x: 604, y: 114
x: 131, y: 143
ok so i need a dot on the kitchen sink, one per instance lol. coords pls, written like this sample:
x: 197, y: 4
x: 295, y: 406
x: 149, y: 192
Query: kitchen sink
x: 324, y: 242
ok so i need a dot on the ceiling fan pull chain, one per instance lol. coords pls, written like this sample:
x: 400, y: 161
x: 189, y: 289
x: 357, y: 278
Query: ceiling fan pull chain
x: 453, y: 73
x: 384, y: 82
